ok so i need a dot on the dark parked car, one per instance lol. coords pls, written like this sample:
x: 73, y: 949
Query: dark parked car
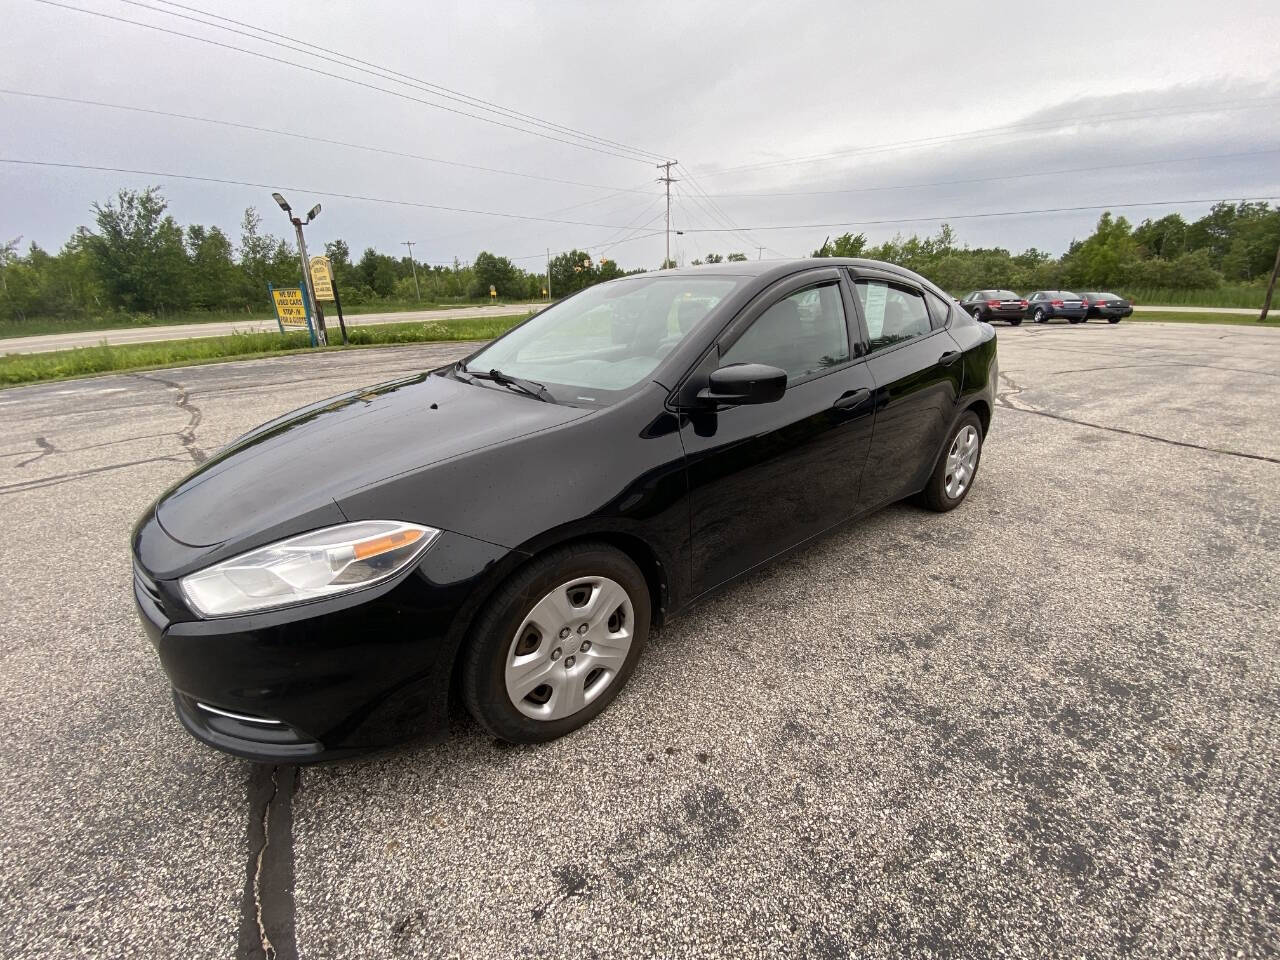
x: 1044, y: 305
x: 508, y: 528
x: 1107, y: 306
x: 991, y: 305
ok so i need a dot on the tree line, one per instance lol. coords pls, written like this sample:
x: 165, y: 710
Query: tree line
x: 137, y: 259
x: 1234, y: 243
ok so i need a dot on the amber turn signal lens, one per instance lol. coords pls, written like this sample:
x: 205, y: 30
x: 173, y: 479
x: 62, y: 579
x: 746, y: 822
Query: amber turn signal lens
x: 392, y: 541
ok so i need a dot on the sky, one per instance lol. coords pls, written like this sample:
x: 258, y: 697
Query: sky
x: 791, y: 122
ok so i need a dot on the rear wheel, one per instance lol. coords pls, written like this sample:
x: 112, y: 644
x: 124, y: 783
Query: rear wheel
x: 1113, y: 319
x: 556, y: 643
x: 1039, y: 316
x: 953, y: 477
x: 1014, y: 321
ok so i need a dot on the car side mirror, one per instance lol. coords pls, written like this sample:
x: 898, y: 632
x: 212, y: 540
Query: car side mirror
x: 742, y: 383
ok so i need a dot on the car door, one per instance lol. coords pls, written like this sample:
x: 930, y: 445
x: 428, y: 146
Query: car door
x: 766, y: 476
x: 918, y: 373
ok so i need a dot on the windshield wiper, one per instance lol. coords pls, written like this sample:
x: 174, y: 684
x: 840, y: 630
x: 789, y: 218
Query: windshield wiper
x: 528, y: 387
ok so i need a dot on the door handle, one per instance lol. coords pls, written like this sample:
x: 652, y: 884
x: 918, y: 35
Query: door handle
x: 950, y: 357
x: 852, y: 399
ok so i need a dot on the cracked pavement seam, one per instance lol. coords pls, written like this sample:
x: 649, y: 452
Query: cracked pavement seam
x: 267, y: 906
x: 187, y: 435
x: 1006, y: 400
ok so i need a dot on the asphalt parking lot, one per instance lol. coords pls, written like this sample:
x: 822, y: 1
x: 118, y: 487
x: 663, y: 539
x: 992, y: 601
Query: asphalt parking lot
x: 1043, y: 724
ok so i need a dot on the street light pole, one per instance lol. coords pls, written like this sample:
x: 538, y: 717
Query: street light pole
x: 412, y: 266
x: 321, y: 336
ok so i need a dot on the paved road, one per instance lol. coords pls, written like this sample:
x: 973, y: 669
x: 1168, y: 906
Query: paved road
x: 1232, y: 311
x: 186, y: 331
x: 66, y: 341
x: 1045, y: 724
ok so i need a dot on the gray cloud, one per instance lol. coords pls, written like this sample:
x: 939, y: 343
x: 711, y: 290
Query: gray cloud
x: 718, y: 86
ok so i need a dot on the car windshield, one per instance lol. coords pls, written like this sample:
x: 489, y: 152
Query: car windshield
x: 597, y: 345
x: 1002, y: 295
x: 1105, y: 296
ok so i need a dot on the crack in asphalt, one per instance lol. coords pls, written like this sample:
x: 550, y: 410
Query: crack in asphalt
x: 46, y: 448
x: 187, y: 435
x: 1006, y: 400
x: 59, y: 478
x: 267, y: 906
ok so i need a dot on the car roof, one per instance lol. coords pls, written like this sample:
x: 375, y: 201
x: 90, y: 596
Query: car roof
x: 770, y: 270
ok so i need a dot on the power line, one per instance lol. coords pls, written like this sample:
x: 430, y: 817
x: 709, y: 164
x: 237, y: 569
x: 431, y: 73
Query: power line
x: 1011, y: 176
x: 318, y: 193
x: 312, y: 138
x: 996, y: 213
x: 447, y: 92
x: 336, y: 76
x: 723, y: 217
x: 1251, y: 103
x: 611, y: 226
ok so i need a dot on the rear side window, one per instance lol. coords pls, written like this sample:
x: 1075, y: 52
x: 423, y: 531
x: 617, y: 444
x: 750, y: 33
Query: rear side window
x: 803, y: 334
x: 894, y: 313
x: 939, y: 310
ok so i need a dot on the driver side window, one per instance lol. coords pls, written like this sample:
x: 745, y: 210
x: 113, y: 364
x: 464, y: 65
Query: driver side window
x: 803, y: 334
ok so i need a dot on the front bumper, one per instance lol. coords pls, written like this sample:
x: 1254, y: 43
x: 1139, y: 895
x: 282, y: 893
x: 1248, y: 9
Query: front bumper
x: 322, y: 680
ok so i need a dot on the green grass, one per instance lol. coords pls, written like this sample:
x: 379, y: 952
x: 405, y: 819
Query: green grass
x: 1155, y: 316
x: 20, y: 368
x: 1227, y: 295
x: 39, y: 326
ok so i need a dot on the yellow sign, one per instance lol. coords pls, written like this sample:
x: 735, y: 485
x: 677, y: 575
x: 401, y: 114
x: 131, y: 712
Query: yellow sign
x: 493, y: 291
x: 290, y: 307
x: 322, y: 278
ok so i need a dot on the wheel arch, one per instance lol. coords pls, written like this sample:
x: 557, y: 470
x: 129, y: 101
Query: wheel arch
x: 979, y: 406
x: 637, y: 549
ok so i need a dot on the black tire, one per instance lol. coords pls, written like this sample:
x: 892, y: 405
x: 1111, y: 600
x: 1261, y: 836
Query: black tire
x: 1113, y: 319
x: 1039, y: 316
x: 934, y: 496
x: 1015, y: 321
x: 1074, y: 320
x: 484, y: 659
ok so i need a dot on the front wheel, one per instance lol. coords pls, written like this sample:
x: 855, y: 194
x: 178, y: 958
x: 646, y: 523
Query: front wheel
x: 556, y: 643
x: 953, y: 477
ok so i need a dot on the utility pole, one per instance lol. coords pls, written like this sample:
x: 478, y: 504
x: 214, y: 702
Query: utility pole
x: 413, y: 266
x: 548, y: 274
x: 668, y: 180
x: 759, y: 253
x: 1271, y: 288
x: 298, y: 223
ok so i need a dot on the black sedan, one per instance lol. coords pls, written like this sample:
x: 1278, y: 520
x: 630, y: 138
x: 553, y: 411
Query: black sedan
x: 508, y: 528
x: 1107, y: 306
x: 991, y: 305
x: 1045, y: 305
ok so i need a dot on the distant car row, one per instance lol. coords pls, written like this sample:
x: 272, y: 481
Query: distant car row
x: 1044, y: 305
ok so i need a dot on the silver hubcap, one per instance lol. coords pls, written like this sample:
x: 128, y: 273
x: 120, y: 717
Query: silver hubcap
x: 962, y: 460
x: 569, y: 648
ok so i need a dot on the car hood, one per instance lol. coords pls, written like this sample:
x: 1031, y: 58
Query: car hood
x: 299, y: 465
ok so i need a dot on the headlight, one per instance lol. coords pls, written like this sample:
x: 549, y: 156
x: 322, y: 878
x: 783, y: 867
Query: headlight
x: 315, y: 565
